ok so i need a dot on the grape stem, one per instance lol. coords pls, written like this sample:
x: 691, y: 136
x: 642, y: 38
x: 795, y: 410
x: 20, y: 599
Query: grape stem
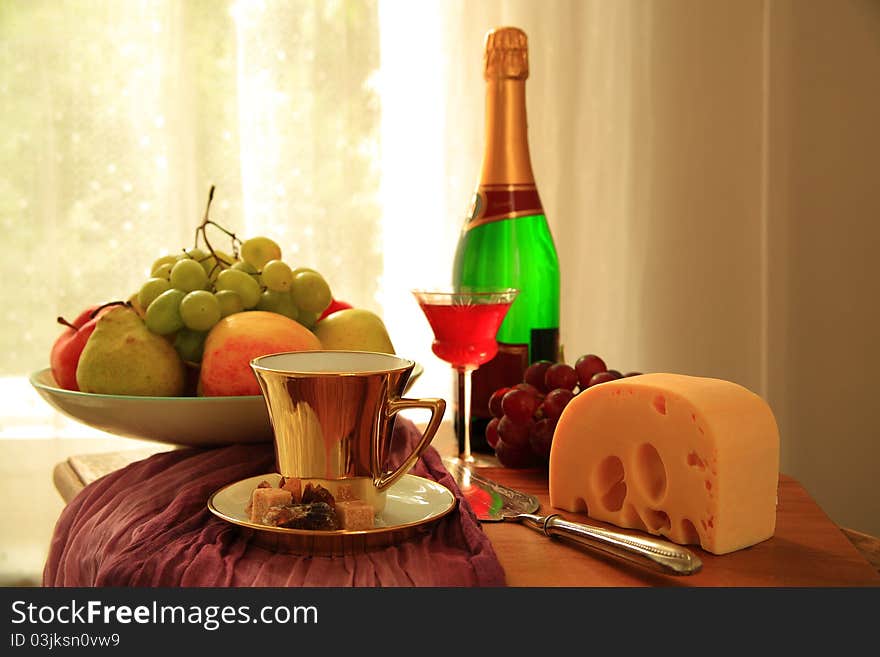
x: 201, y: 231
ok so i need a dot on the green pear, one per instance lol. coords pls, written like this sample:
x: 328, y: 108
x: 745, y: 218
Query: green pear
x: 123, y: 357
x: 354, y: 329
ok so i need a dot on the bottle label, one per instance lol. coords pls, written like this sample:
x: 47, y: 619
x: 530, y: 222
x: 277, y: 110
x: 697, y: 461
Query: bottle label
x: 499, y: 202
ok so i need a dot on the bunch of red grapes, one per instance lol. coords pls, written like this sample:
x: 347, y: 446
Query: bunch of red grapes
x: 524, y: 416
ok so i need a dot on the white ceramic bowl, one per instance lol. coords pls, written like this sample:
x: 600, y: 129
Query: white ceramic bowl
x: 193, y: 421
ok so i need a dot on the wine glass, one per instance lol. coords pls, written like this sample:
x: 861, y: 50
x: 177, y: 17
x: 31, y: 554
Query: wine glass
x: 465, y: 322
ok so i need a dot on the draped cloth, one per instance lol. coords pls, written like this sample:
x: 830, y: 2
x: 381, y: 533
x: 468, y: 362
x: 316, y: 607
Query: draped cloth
x: 148, y: 525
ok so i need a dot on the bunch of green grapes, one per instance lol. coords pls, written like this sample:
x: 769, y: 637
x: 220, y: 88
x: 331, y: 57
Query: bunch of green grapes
x: 188, y: 293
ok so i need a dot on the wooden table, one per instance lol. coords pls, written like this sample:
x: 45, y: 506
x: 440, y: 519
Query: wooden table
x: 807, y: 550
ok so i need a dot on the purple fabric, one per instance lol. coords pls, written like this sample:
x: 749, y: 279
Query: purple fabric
x: 148, y: 525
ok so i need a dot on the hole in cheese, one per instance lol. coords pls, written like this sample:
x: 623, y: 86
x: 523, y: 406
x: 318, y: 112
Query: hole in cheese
x: 613, y: 499
x: 609, y: 472
x: 695, y: 461
x: 657, y: 520
x: 650, y: 472
x: 689, y: 534
x: 660, y: 404
x: 609, y: 483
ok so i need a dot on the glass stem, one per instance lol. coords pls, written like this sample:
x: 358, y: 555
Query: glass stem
x: 464, y: 411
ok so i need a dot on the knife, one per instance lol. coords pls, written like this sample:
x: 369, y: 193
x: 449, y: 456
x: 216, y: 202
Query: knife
x: 494, y: 502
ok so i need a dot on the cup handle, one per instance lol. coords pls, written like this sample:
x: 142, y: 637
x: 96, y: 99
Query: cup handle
x: 437, y: 408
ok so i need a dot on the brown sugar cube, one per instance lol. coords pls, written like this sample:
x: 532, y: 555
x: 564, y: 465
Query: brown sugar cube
x: 345, y: 492
x: 263, y: 498
x: 293, y: 485
x: 262, y: 484
x: 355, y: 514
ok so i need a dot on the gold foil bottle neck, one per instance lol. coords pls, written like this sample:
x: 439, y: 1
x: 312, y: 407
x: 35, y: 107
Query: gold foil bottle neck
x: 506, y: 55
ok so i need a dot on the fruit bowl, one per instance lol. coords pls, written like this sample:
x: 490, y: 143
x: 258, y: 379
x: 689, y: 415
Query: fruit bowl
x: 192, y: 421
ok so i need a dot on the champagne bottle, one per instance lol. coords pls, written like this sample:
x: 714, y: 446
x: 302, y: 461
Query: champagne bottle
x: 506, y: 240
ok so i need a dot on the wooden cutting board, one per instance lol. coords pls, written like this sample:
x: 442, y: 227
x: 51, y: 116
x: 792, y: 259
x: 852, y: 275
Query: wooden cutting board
x: 808, y: 549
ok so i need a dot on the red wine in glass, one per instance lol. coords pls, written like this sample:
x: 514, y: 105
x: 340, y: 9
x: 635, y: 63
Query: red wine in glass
x: 465, y: 322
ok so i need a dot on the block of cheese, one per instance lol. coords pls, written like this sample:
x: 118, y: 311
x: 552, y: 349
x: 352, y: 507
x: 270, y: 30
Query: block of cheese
x: 690, y: 458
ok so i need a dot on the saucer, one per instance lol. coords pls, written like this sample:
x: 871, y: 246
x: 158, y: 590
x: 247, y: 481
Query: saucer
x: 412, y: 504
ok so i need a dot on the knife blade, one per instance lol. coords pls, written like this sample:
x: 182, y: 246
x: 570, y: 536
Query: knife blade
x: 494, y: 502
x: 490, y: 500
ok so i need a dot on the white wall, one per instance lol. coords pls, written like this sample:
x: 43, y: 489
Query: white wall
x: 824, y: 246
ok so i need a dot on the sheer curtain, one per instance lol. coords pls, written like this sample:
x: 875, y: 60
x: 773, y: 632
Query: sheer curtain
x: 708, y: 170
x: 117, y: 117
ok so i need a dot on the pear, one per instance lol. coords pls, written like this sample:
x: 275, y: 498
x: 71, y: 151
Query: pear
x: 354, y: 329
x: 123, y: 357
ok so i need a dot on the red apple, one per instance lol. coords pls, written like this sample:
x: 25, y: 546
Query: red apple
x: 335, y: 305
x: 67, y: 348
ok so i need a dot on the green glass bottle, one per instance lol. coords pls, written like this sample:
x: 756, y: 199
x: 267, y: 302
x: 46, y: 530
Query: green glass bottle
x: 506, y: 240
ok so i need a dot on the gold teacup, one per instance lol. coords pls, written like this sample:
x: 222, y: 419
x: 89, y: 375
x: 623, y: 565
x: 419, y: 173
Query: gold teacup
x: 332, y: 414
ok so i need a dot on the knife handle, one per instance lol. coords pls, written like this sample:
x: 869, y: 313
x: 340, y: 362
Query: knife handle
x: 654, y: 553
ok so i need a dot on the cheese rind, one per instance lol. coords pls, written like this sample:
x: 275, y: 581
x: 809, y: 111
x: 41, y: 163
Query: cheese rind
x: 690, y: 458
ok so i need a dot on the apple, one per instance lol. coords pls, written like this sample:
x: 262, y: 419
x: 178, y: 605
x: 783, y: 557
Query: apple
x: 234, y: 341
x: 354, y: 329
x: 335, y: 304
x: 67, y: 348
